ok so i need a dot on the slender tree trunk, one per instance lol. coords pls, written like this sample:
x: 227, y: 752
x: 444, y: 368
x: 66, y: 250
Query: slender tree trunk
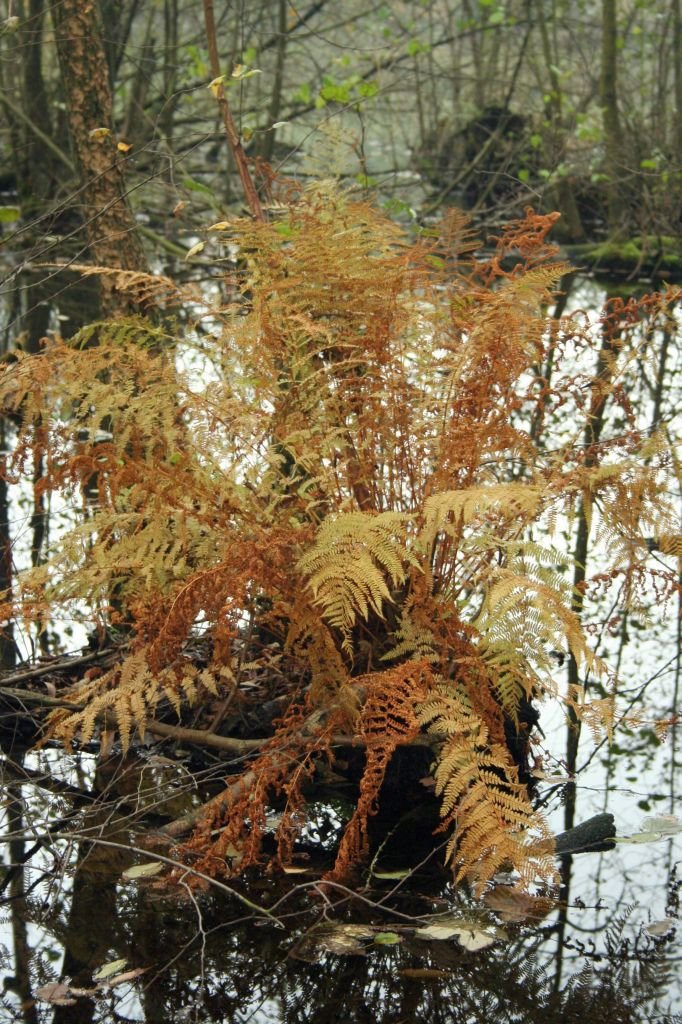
x: 571, y: 223
x: 617, y: 207
x: 8, y: 650
x: 170, y: 71
x: 275, y: 106
x: 233, y: 139
x: 677, y: 73
x: 109, y: 223
x: 591, y: 437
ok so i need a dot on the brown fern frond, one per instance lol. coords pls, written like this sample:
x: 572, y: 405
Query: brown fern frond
x: 388, y: 719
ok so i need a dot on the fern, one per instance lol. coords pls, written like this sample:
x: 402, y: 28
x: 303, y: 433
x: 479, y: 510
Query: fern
x: 349, y: 568
x: 482, y: 798
x: 343, y: 488
x: 128, y: 695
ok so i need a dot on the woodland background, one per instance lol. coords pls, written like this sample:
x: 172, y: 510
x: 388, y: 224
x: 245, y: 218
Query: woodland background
x: 380, y: 120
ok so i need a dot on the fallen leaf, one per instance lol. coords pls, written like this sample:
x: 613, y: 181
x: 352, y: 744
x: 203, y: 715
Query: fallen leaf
x: 57, y: 993
x: 152, y: 867
x: 661, y: 927
x: 639, y: 837
x: 470, y: 935
x: 422, y: 972
x: 515, y: 906
x: 107, y: 970
x: 666, y: 824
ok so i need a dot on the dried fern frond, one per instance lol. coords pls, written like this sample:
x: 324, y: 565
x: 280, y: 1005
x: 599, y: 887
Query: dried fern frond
x: 494, y: 824
x: 354, y: 559
x: 128, y: 695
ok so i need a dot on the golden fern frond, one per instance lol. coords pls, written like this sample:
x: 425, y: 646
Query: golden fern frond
x: 448, y: 511
x: 129, y: 694
x: 512, y: 598
x: 511, y: 674
x: 481, y: 796
x: 146, y: 289
x: 352, y: 562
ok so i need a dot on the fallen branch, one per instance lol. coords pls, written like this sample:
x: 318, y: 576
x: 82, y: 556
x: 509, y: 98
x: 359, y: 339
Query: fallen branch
x: 231, y: 744
x: 179, y: 826
x: 58, y: 665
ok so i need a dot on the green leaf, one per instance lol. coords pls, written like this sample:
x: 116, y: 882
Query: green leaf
x: 497, y: 17
x: 241, y: 72
x: 8, y: 214
x: 303, y: 94
x: 415, y: 47
x: 387, y: 939
x: 193, y: 185
x: 368, y: 89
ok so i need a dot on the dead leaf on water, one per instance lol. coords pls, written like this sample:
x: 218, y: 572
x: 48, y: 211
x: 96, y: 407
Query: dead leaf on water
x: 423, y: 972
x: 107, y: 970
x: 472, y: 935
x: 58, y: 993
x: 152, y: 867
x: 515, y: 906
x: 661, y: 927
x: 339, y: 939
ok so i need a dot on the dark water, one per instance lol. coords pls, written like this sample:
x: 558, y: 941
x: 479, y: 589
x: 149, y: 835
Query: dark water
x: 295, y: 950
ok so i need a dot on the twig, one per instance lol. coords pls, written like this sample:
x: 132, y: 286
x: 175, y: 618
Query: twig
x: 187, y: 821
x: 228, y: 122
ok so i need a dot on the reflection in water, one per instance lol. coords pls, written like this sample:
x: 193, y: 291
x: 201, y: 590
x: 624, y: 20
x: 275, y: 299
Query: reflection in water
x: 208, y: 958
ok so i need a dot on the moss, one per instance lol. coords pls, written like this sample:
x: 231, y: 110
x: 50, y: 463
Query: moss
x: 657, y: 256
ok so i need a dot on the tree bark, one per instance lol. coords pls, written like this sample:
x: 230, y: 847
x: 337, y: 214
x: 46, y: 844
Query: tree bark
x: 613, y: 135
x: 109, y: 223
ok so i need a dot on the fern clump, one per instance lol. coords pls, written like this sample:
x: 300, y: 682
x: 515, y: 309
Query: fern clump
x: 345, y: 487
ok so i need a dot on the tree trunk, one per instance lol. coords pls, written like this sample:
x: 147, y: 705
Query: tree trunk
x: 109, y: 223
x: 677, y: 73
x: 613, y: 135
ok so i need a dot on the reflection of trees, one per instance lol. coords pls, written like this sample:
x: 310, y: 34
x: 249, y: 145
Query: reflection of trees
x: 201, y: 953
x: 21, y: 983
